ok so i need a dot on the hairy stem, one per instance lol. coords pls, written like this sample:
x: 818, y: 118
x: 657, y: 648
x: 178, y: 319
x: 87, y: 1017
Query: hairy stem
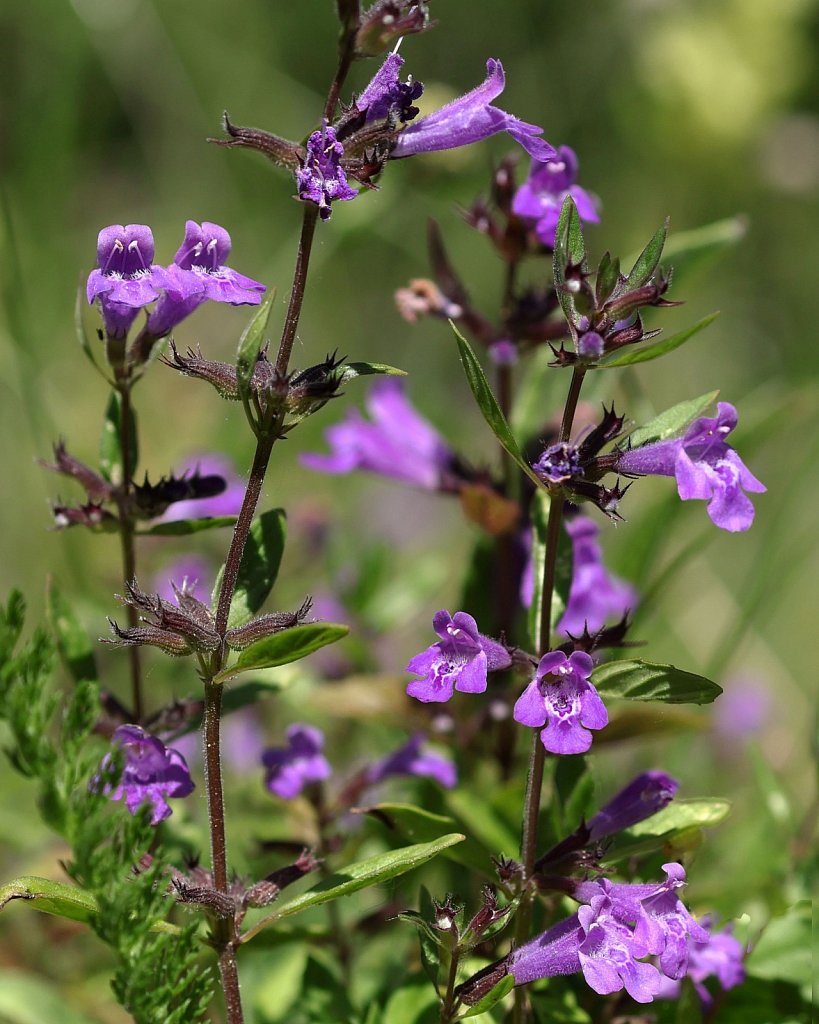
x: 126, y: 537
x: 291, y: 320
x: 537, y: 758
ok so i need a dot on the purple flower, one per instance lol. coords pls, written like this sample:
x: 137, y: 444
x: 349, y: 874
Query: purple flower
x: 322, y: 179
x: 558, y: 463
x: 705, y: 467
x: 561, y: 698
x: 721, y: 957
x: 664, y: 924
x: 742, y: 710
x: 291, y: 768
x: 640, y: 799
x: 412, y: 760
x: 199, y: 273
x: 608, y: 954
x: 152, y: 772
x: 227, y: 503
x: 471, y: 119
x: 459, y: 661
x: 550, y: 954
x: 541, y: 196
x: 594, y: 595
x: 126, y: 279
x: 387, y: 96
x: 192, y: 571
x: 398, y: 442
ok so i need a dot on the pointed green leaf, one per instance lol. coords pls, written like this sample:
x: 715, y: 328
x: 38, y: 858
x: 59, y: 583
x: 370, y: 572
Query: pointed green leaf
x: 50, y: 897
x: 685, y: 249
x: 111, y: 442
x: 492, y: 997
x: 259, y: 569
x: 488, y: 404
x: 185, y: 527
x: 783, y: 951
x: 642, y: 680
x: 644, y: 353
x: 648, y: 260
x: 372, y: 871
x: 282, y: 648
x: 250, y: 344
x: 420, y: 825
x: 569, y: 250
x: 673, y: 421
x: 73, y: 642
x: 679, y: 818
x: 608, y: 274
x: 540, y: 518
x: 349, y: 371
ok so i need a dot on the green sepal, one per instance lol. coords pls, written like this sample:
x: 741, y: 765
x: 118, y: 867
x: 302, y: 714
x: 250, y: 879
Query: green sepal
x: 283, y: 648
x: 644, y: 680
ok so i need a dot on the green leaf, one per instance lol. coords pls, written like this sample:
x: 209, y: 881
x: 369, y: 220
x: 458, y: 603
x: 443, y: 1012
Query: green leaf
x: 412, y: 1004
x: 55, y: 898
x: 73, y: 642
x: 673, y: 421
x: 540, y: 518
x: 429, y: 941
x: 686, y: 249
x: 250, y: 344
x: 569, y: 249
x: 675, y: 820
x: 282, y: 648
x: 420, y: 825
x: 643, y: 680
x: 185, y: 527
x: 483, y: 822
x: 349, y: 371
x: 488, y: 404
x: 372, y: 871
x: 644, y: 353
x: 646, y: 263
x: 608, y: 274
x: 111, y: 442
x: 30, y: 999
x: 259, y: 569
x: 492, y: 997
x: 783, y: 951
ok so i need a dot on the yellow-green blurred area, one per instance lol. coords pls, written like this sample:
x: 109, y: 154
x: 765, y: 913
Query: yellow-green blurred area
x: 696, y: 109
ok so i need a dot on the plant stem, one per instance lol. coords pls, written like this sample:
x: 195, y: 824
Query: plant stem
x: 537, y: 758
x: 448, y: 1002
x: 291, y: 320
x: 126, y: 537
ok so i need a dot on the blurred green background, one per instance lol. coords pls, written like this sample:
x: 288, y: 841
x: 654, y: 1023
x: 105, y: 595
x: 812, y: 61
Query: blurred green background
x: 697, y: 109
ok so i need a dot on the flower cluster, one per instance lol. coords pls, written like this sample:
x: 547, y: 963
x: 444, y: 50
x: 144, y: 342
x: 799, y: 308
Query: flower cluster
x: 127, y: 280
x: 609, y: 936
x: 380, y: 125
x: 705, y: 467
x: 151, y: 773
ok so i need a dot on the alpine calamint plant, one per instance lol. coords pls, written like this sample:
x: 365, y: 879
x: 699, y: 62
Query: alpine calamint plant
x: 539, y: 641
